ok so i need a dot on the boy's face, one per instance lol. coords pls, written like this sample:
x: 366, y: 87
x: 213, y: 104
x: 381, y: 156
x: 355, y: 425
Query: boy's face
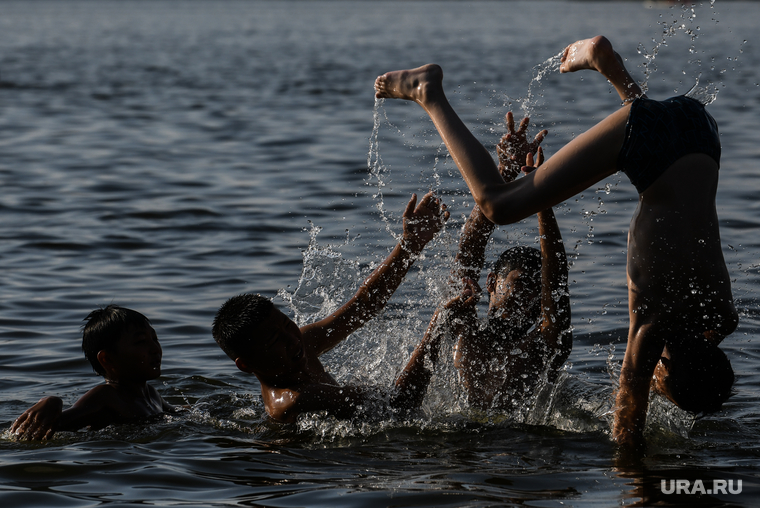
x: 138, y: 354
x: 279, y: 350
x: 511, y: 296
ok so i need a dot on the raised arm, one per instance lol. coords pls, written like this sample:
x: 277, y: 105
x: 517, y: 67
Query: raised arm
x: 512, y: 150
x: 555, y: 298
x: 420, y: 225
x: 413, y: 381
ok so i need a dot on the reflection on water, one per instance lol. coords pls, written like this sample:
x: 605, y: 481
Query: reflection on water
x: 168, y: 155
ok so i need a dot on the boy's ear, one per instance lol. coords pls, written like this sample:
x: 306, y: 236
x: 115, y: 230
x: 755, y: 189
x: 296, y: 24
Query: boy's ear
x: 105, y: 360
x: 243, y: 366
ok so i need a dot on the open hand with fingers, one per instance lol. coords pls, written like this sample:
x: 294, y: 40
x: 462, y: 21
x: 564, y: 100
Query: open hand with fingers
x: 514, y: 147
x: 423, y: 222
x: 39, y: 421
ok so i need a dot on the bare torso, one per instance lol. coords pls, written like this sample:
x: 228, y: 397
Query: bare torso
x: 675, y: 260
x: 499, y: 370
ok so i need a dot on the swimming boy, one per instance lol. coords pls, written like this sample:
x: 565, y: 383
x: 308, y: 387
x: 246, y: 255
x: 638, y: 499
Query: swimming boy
x: 678, y: 284
x: 263, y: 341
x: 527, y: 336
x: 121, y: 346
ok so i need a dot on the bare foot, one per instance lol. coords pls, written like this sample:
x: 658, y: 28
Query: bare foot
x: 418, y: 85
x: 595, y: 54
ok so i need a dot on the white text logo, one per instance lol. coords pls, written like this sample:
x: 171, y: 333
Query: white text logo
x: 698, y: 487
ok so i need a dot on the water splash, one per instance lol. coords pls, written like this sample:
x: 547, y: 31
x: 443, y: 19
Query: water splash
x: 378, y: 172
x: 326, y: 282
x: 684, y: 22
x: 374, y: 354
x: 705, y: 94
x: 551, y: 65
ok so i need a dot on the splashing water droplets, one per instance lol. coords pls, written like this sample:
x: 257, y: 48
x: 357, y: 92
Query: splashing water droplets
x: 541, y: 70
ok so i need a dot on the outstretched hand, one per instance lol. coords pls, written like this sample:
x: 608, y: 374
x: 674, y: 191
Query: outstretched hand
x: 422, y: 223
x: 39, y: 421
x: 514, y: 147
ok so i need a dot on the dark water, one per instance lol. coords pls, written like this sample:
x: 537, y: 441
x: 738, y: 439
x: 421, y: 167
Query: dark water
x: 167, y: 155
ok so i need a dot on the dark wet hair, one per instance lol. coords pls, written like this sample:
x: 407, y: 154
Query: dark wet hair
x: 104, y: 328
x: 700, y: 377
x: 236, y: 321
x: 526, y: 258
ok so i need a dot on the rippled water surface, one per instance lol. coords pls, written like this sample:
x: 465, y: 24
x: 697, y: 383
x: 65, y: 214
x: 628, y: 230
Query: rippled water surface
x: 166, y: 155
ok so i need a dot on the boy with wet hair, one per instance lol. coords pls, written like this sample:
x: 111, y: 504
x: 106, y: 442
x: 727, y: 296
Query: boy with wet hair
x: 122, y: 346
x: 263, y: 341
x: 527, y: 335
x: 694, y: 374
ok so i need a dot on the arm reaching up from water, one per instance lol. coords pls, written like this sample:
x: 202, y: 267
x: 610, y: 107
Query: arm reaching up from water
x: 554, y: 325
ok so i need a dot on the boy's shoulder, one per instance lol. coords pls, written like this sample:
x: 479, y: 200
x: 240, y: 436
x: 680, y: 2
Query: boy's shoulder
x: 103, y: 394
x: 285, y: 403
x: 108, y: 399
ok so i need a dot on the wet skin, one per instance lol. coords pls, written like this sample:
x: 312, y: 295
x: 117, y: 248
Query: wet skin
x: 525, y: 314
x: 285, y: 358
x: 124, y: 397
x: 656, y: 239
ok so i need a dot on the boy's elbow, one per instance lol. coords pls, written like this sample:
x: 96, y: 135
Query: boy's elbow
x: 493, y: 211
x: 497, y: 209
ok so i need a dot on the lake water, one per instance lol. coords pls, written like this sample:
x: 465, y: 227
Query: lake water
x: 167, y: 155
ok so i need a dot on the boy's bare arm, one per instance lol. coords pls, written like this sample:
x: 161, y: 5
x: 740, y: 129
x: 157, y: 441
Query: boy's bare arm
x: 340, y: 401
x: 642, y: 354
x: 47, y: 417
x: 39, y: 421
x: 471, y: 255
x: 345, y: 401
x: 421, y: 224
x: 555, y: 297
x: 412, y: 383
x: 469, y: 354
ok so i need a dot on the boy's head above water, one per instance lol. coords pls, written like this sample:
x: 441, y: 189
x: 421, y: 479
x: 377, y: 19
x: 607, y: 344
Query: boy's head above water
x: 121, y: 344
x: 259, y: 338
x: 697, y: 377
x: 236, y: 323
x: 514, y: 285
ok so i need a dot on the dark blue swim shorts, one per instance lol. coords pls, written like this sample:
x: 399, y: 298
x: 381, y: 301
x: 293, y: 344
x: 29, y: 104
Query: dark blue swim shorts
x: 658, y: 133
